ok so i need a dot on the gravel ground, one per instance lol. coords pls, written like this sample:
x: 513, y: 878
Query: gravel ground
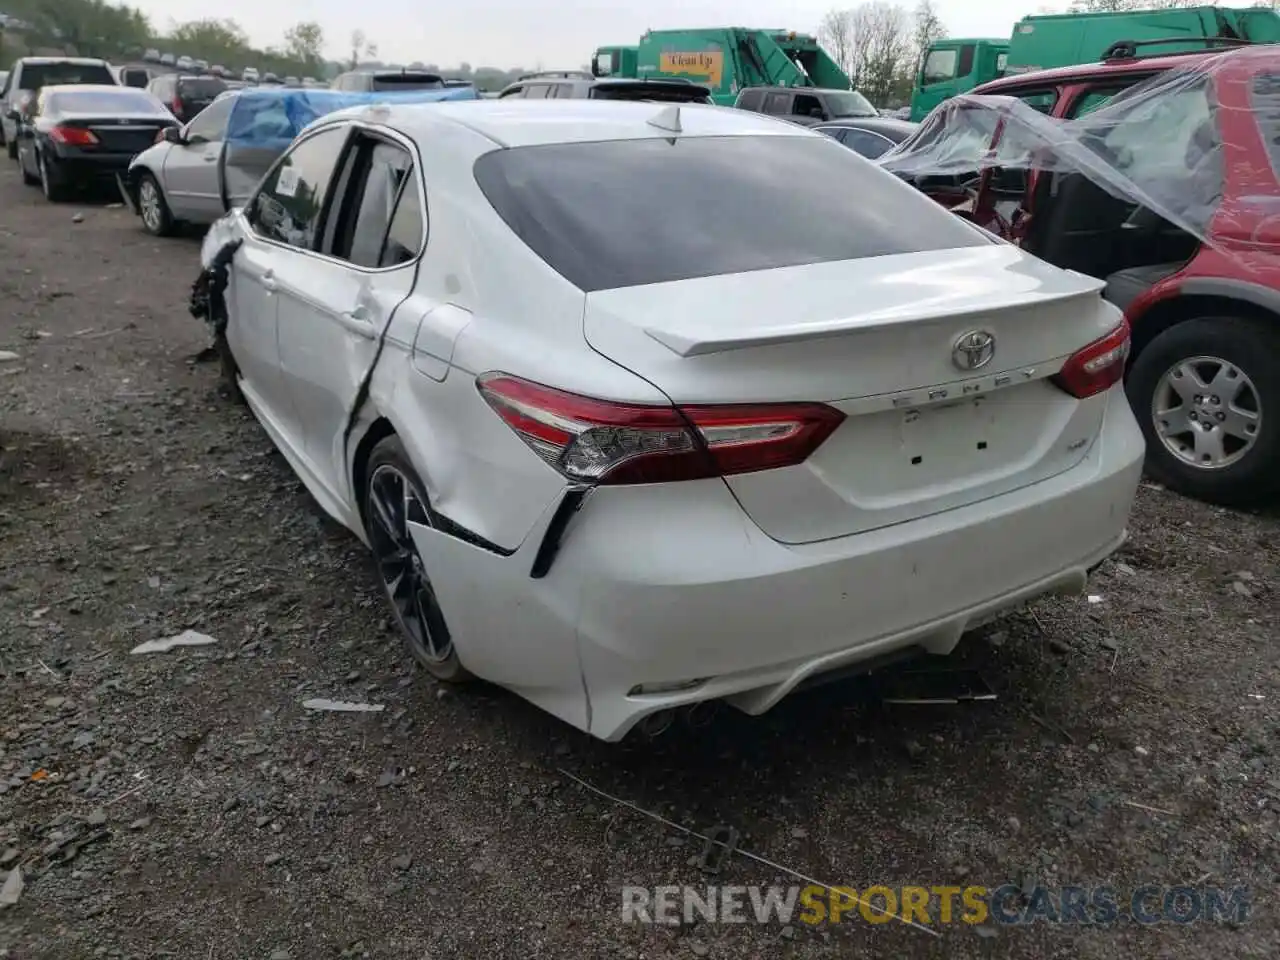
x: 185, y: 804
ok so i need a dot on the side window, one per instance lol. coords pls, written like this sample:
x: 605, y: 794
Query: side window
x: 777, y: 103
x: 211, y: 123
x: 751, y: 100
x: 870, y: 145
x: 1266, y: 111
x: 966, y: 60
x: 513, y: 92
x: 407, y: 231
x: 835, y: 133
x: 1042, y: 101
x: 537, y: 91
x: 939, y: 65
x: 386, y: 168
x: 1090, y: 102
x: 288, y: 205
x: 806, y: 105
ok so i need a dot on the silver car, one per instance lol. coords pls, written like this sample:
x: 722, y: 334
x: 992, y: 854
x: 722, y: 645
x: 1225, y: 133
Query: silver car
x: 179, y: 178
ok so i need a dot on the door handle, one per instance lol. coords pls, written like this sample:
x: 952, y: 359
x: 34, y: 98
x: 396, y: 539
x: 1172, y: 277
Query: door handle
x: 269, y: 281
x: 357, y: 321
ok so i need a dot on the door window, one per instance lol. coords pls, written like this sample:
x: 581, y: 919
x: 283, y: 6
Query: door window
x: 1042, y: 101
x: 1266, y: 110
x: 751, y: 99
x: 513, y: 92
x: 407, y: 231
x: 939, y: 66
x: 288, y: 206
x: 777, y: 103
x: 966, y: 60
x: 806, y: 105
x: 870, y: 145
x: 211, y: 123
x: 385, y: 169
x: 537, y: 91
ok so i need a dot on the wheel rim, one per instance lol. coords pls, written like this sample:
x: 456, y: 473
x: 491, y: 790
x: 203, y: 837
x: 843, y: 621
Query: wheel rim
x: 149, y: 201
x: 393, y: 505
x: 1207, y: 412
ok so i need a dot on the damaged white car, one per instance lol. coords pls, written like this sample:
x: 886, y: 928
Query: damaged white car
x: 639, y: 406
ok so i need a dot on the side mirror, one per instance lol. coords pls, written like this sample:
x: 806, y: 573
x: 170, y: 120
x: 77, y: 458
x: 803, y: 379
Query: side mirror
x: 818, y: 113
x: 172, y: 135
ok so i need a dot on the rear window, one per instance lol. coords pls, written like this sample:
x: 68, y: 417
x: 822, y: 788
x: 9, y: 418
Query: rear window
x: 36, y: 76
x: 662, y: 92
x: 120, y: 101
x: 200, y: 88
x: 624, y: 213
x: 406, y: 81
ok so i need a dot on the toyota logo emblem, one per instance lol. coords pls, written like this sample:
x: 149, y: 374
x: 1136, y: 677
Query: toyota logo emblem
x: 973, y: 350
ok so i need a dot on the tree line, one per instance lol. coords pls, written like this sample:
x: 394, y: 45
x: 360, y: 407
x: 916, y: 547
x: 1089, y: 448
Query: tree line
x: 879, y: 44
x: 117, y: 31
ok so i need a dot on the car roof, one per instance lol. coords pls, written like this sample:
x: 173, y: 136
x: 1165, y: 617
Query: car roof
x: 885, y: 125
x: 89, y: 88
x: 772, y: 88
x: 520, y: 123
x: 79, y: 61
x: 1120, y: 67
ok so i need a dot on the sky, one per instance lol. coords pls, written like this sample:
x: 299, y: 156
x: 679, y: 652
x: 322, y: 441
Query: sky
x: 535, y: 33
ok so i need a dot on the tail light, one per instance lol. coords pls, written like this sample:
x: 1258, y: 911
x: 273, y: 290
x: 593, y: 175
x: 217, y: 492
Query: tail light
x: 1098, y: 366
x: 600, y: 441
x: 74, y: 136
x: 176, y: 107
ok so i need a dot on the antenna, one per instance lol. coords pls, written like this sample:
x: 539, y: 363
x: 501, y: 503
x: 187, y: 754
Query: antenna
x: 668, y: 119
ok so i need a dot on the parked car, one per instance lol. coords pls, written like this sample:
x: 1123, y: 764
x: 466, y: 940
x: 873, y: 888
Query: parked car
x: 292, y: 82
x: 80, y: 135
x: 186, y: 96
x: 250, y: 75
x: 541, y: 87
x: 805, y: 105
x: 1204, y: 305
x: 132, y: 75
x: 29, y: 74
x: 621, y: 471
x: 369, y: 81
x: 869, y: 136
x: 197, y: 173
x: 168, y: 59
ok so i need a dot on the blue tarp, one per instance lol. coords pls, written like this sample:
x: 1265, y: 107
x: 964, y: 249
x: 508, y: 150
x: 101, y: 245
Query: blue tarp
x: 271, y: 118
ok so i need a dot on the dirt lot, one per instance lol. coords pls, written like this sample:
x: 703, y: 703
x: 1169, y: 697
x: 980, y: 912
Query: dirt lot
x: 185, y: 805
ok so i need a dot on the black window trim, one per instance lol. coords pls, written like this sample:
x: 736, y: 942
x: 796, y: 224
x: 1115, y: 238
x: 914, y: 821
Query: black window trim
x: 340, y: 173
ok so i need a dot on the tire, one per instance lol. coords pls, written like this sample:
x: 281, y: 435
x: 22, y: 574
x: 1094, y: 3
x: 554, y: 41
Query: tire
x: 30, y: 179
x: 156, y: 217
x: 55, y: 190
x: 416, y: 612
x: 1221, y: 355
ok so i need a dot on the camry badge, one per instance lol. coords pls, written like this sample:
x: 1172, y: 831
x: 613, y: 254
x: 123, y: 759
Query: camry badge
x: 973, y: 350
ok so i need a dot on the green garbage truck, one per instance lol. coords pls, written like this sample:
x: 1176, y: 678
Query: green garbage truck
x: 726, y: 59
x: 1043, y: 41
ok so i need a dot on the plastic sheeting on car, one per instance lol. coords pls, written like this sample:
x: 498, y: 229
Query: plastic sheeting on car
x: 1158, y: 144
x: 264, y: 121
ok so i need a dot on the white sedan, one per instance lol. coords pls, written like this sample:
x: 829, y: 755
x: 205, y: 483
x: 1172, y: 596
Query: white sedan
x: 640, y: 406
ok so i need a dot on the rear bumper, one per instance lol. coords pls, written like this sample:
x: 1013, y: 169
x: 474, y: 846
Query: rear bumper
x: 78, y: 165
x: 671, y: 584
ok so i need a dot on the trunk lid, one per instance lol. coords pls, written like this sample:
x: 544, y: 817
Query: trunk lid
x: 877, y: 339
x: 117, y: 134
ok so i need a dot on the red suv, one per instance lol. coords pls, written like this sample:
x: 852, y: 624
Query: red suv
x: 1204, y: 306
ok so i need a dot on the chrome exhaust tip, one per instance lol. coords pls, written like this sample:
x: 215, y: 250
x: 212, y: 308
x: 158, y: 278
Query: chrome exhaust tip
x: 656, y: 724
